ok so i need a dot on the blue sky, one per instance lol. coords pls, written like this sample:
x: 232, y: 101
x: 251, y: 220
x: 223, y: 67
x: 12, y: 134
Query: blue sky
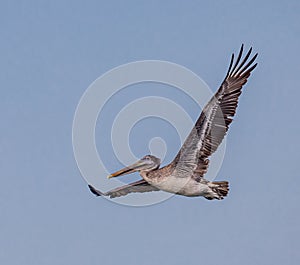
x: 51, y: 51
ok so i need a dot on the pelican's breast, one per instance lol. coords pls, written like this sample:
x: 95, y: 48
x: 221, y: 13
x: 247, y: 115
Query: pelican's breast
x: 187, y: 186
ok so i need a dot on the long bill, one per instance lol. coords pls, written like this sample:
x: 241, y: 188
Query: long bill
x: 127, y: 170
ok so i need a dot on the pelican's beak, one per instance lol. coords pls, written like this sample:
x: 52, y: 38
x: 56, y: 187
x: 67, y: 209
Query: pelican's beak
x: 127, y: 170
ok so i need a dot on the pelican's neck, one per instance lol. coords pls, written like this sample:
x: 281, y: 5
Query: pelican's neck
x: 146, y: 174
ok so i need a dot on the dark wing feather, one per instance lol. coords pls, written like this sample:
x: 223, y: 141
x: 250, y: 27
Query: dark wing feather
x: 138, y: 186
x: 214, y: 121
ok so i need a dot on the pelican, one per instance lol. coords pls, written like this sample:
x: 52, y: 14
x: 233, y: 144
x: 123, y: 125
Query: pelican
x: 185, y: 174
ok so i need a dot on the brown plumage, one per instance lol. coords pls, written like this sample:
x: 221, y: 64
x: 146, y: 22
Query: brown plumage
x: 185, y: 174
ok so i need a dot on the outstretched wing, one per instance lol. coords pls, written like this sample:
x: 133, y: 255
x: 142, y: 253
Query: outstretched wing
x: 214, y: 121
x: 138, y: 186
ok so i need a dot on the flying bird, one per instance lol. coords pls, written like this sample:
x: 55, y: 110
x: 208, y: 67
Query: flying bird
x: 185, y: 174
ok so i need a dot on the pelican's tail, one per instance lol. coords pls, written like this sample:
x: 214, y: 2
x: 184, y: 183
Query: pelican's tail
x: 219, y: 190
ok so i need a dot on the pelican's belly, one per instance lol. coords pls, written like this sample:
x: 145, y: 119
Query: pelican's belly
x: 182, y: 186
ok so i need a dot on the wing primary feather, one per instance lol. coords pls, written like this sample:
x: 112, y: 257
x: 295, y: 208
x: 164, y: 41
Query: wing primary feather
x: 242, y: 63
x: 238, y: 58
x: 247, y: 65
x: 231, y: 63
x: 247, y: 74
x: 96, y: 192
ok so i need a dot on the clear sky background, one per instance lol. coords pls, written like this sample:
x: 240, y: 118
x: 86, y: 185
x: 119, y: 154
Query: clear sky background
x: 52, y: 50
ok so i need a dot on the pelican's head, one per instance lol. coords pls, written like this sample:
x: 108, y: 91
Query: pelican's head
x: 146, y: 164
